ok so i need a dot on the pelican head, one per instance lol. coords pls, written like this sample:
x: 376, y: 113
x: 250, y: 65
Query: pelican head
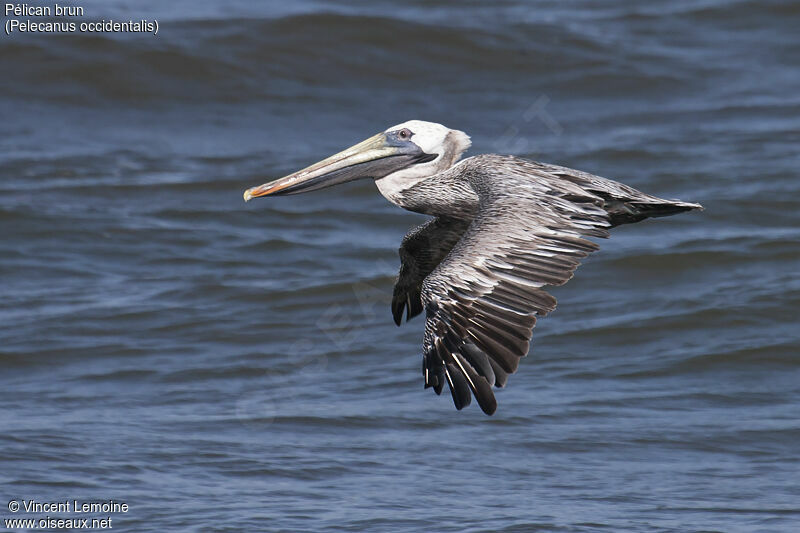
x: 396, y: 159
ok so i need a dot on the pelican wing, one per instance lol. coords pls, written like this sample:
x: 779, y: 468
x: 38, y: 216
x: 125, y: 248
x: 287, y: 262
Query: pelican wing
x: 484, y: 297
x: 421, y: 251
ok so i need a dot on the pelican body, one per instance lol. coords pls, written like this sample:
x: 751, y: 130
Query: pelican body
x: 504, y: 229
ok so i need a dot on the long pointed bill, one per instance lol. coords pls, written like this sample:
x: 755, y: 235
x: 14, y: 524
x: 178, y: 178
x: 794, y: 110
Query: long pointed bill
x: 376, y: 157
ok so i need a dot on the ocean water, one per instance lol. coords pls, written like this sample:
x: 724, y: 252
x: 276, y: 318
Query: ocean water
x: 221, y: 366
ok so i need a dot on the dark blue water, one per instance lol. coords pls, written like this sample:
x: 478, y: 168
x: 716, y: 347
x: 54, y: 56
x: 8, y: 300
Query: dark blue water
x: 226, y: 367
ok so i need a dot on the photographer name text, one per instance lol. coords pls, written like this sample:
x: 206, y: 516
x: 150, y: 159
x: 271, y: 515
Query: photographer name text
x: 72, y: 506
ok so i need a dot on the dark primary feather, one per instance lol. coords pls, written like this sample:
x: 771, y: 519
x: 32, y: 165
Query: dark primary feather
x: 422, y: 249
x: 481, y: 277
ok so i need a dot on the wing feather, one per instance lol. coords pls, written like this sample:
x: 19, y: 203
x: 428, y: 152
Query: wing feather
x: 422, y: 249
x: 480, y: 274
x: 483, y: 298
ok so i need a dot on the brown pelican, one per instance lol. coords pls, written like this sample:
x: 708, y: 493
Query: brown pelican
x: 504, y: 229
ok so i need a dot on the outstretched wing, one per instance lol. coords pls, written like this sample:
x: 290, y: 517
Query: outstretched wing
x: 421, y: 251
x: 483, y: 298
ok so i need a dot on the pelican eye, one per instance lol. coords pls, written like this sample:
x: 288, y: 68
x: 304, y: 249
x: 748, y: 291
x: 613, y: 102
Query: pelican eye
x: 404, y: 134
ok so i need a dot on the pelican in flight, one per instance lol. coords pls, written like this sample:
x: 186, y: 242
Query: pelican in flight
x: 503, y: 230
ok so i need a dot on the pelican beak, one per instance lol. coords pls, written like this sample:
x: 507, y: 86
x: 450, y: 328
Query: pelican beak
x: 376, y: 157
